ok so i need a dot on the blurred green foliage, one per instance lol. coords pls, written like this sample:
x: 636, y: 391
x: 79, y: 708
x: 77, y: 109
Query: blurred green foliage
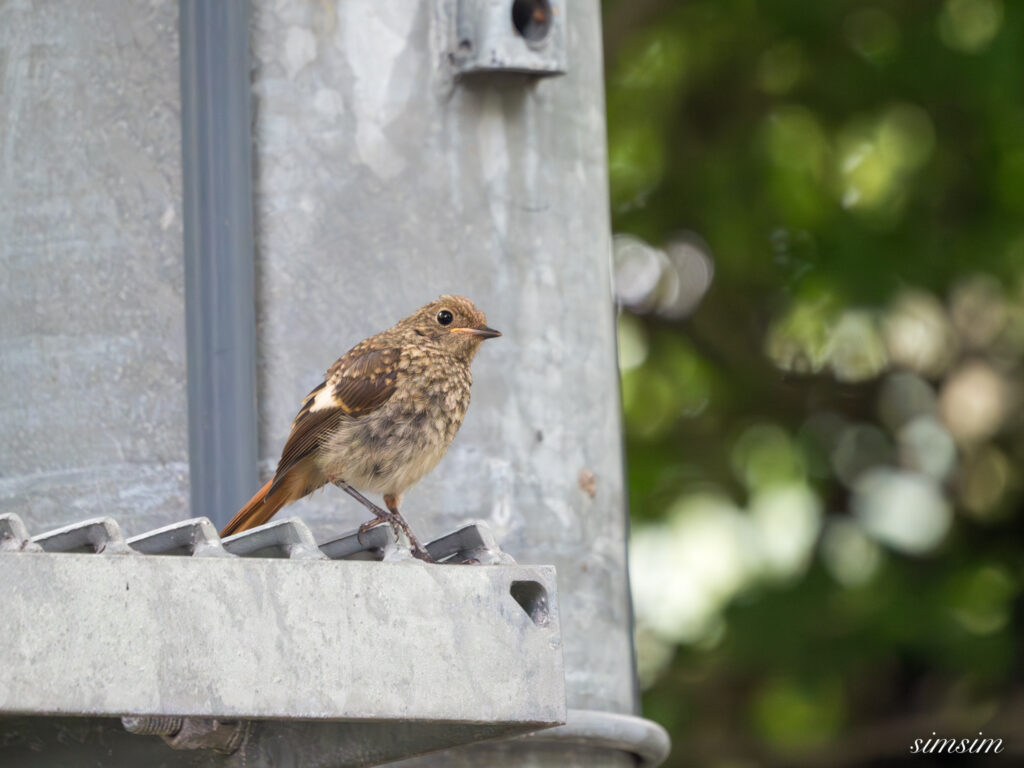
x: 825, y: 446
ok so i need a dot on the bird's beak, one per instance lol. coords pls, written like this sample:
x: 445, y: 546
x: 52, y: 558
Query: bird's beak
x: 483, y: 332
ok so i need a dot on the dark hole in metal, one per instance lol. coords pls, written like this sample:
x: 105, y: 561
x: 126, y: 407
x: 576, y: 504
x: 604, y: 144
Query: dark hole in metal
x: 532, y: 18
x: 533, y: 599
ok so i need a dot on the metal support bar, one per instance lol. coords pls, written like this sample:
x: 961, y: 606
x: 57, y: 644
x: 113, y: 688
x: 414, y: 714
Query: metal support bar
x: 220, y: 313
x: 647, y: 741
x: 104, y: 635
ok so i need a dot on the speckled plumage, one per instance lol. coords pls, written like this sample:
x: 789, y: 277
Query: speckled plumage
x: 385, y: 414
x: 389, y: 449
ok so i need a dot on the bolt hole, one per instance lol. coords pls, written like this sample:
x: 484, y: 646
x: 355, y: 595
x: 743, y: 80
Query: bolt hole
x: 533, y: 599
x: 532, y: 18
x: 465, y: 45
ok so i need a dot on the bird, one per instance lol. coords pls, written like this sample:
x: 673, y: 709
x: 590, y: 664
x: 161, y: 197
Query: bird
x: 382, y: 418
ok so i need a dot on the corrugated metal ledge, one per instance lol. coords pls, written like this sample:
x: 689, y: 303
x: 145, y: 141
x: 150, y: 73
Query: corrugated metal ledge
x: 367, y: 662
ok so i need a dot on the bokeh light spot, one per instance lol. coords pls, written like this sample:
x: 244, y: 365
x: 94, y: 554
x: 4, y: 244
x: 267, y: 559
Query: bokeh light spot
x: 780, y: 68
x: 918, y: 333
x: 985, y: 478
x: 979, y: 310
x: 903, y: 397
x: 925, y: 445
x: 765, y: 454
x: 969, y: 25
x: 787, y: 520
x: 980, y: 597
x: 974, y: 402
x: 902, y: 509
x: 797, y: 715
x: 632, y: 342
x: 849, y: 554
x: 872, y: 33
x: 859, y: 448
x: 856, y: 350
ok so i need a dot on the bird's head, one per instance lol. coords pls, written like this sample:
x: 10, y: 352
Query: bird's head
x: 452, y: 324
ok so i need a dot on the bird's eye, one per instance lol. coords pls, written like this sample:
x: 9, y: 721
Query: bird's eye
x: 444, y: 317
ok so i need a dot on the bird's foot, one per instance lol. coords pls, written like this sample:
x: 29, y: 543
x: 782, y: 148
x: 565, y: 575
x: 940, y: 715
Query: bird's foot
x: 420, y: 553
x: 381, y: 520
x: 399, y: 526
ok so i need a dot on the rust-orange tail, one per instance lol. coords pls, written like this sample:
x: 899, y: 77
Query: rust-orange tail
x: 296, y: 483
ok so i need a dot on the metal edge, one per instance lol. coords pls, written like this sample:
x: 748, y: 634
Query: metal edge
x: 645, y: 739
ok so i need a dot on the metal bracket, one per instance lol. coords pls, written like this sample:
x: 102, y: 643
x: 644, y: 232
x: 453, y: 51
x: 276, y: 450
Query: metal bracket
x: 464, y: 654
x: 526, y: 36
x: 647, y: 741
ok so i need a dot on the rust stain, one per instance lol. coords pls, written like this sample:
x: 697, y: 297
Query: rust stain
x: 588, y: 482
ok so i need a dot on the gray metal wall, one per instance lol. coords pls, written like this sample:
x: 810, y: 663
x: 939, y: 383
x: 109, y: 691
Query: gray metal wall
x: 92, y: 386
x: 380, y: 182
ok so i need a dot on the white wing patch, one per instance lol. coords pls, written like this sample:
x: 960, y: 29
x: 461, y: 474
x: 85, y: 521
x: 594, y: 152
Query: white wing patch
x: 324, y: 399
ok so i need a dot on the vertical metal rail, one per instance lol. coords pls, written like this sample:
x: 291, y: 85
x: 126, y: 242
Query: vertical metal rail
x: 219, y: 269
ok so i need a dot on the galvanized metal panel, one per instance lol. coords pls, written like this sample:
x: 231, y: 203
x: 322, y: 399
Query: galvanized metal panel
x: 92, y: 376
x: 382, y: 181
x: 231, y: 637
x: 86, y: 742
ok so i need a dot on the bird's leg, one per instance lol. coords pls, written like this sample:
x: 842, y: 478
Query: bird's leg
x: 392, y: 516
x: 381, y: 515
x: 418, y: 550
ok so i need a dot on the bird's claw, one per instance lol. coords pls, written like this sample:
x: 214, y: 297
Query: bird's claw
x: 399, y: 526
x: 421, y: 554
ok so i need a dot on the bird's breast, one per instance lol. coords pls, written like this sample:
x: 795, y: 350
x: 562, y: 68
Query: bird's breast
x: 390, y: 449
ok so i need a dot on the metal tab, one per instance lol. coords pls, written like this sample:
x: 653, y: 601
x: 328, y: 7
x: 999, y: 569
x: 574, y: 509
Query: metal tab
x: 354, y: 545
x: 98, y: 535
x: 280, y: 538
x: 474, y: 543
x: 14, y: 535
x: 196, y: 537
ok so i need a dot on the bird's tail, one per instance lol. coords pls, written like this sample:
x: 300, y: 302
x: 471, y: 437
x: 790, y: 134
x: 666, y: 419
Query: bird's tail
x: 295, y: 484
x: 257, y: 511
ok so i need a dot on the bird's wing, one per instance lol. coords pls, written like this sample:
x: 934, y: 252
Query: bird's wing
x: 360, y: 381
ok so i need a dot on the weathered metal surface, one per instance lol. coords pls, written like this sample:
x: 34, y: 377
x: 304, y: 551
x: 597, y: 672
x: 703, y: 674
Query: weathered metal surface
x: 525, y: 36
x: 85, y: 742
x: 383, y: 181
x: 382, y: 178
x: 99, y: 535
x: 279, y: 538
x: 92, y: 326
x: 232, y: 637
x: 588, y: 738
x: 196, y: 537
x: 416, y: 657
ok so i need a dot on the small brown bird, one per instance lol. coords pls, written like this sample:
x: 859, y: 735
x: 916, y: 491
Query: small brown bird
x: 383, y: 417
